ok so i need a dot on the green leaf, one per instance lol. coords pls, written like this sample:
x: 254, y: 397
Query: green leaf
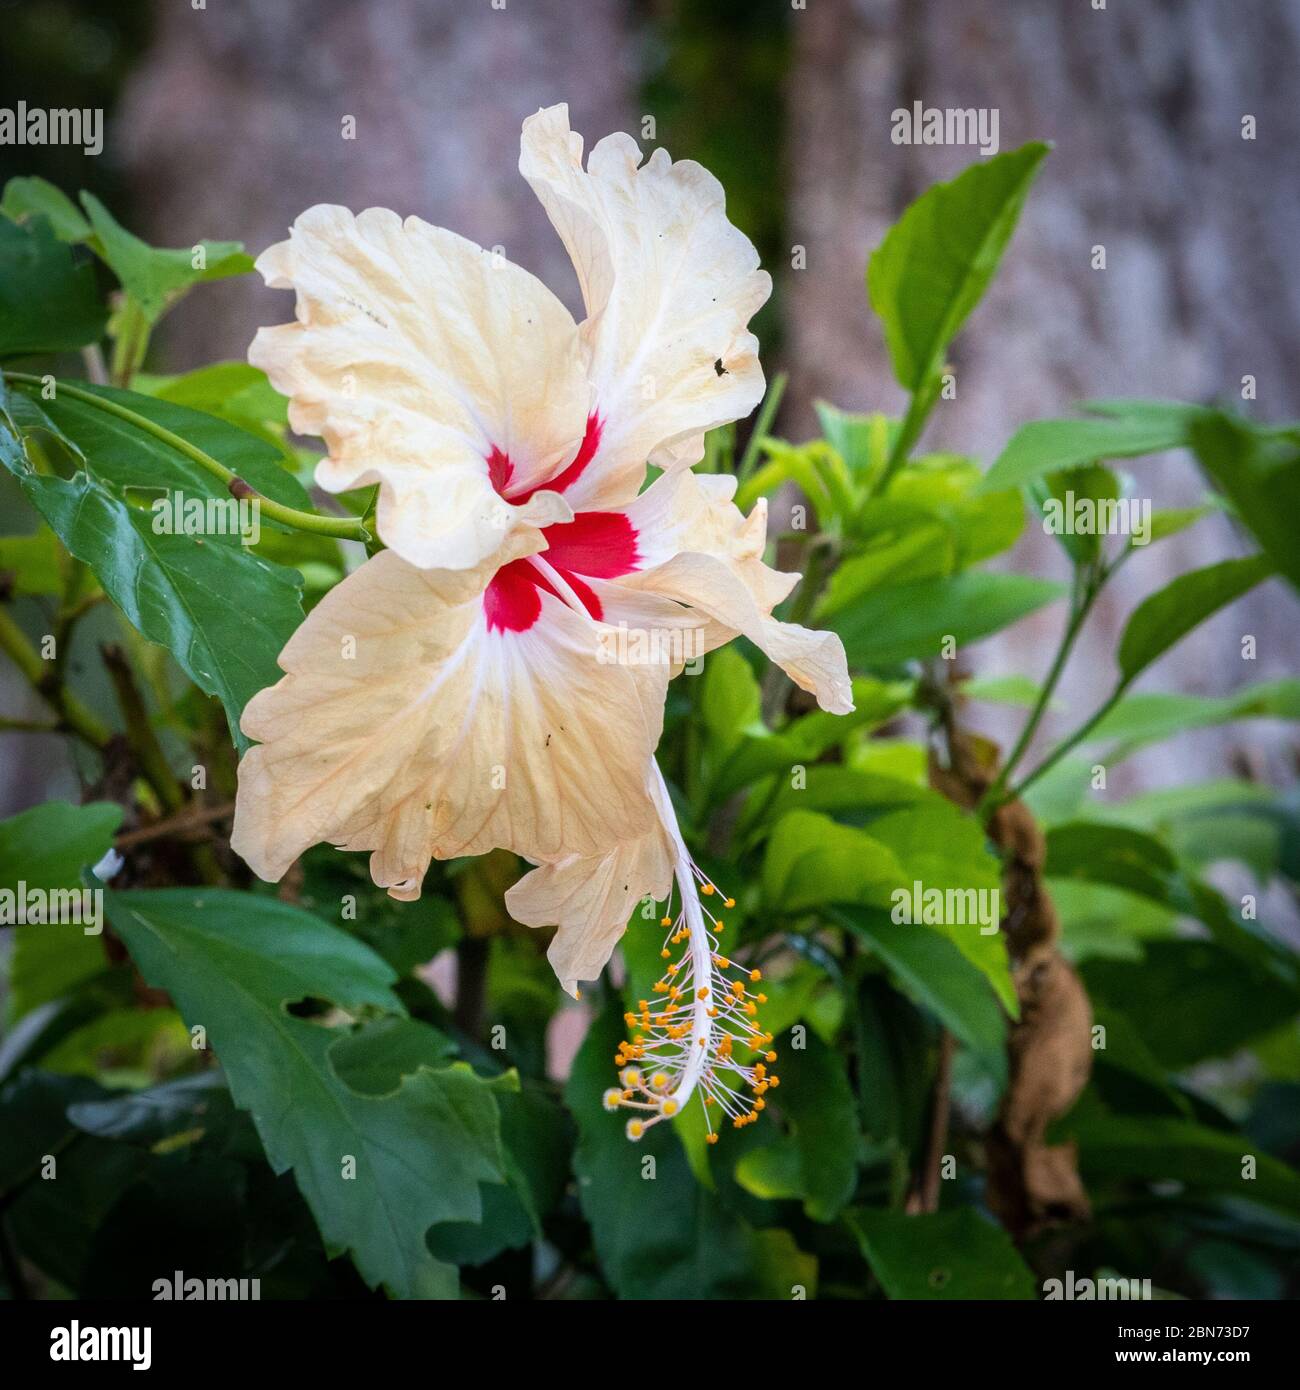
x: 941, y: 1255
x: 33, y: 562
x: 534, y: 1134
x: 936, y: 262
x: 848, y: 792
x: 1059, y: 496
x: 223, y: 612
x: 234, y: 962
x: 1147, y: 716
x: 1168, y: 615
x: 1170, y: 521
x: 890, y: 625
x: 666, y: 1236
x: 1137, y: 863
x: 730, y: 700
x: 862, y: 441
x: 48, y: 299
x: 156, y: 278
x: 943, y: 848
x: 1005, y: 690
x: 928, y: 523
x: 154, y: 1114
x: 812, y: 860
x: 817, y: 1161
x: 25, y: 198
x: 1160, y: 1148
x: 48, y: 848
x: 375, y: 1060
x: 53, y: 1222
x: 232, y: 391
x: 1261, y: 477
x: 937, y: 977
x: 911, y: 835
x: 1049, y: 446
x: 1196, y: 999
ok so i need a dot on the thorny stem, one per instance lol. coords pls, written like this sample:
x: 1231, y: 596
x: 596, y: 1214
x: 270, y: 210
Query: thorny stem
x: 345, y: 528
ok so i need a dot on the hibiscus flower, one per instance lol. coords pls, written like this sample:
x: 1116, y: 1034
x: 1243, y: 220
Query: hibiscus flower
x: 476, y: 684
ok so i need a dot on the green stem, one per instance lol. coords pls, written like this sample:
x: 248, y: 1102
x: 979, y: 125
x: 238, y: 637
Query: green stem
x: 131, y: 343
x: 918, y: 412
x: 821, y: 558
x: 72, y: 713
x: 1083, y: 598
x: 1073, y: 741
x: 766, y: 412
x: 346, y: 528
x: 140, y: 735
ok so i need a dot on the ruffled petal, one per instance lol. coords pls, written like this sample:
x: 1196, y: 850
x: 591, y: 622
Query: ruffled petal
x: 669, y: 286
x: 699, y: 550
x: 438, y: 370
x: 590, y: 900
x: 405, y: 726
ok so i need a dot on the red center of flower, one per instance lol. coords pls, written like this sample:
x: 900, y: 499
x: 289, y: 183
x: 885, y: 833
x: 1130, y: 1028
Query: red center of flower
x: 599, y: 545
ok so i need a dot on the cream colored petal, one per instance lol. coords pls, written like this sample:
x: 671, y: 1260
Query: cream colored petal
x: 414, y: 355
x: 699, y: 550
x: 405, y: 727
x: 669, y: 286
x: 590, y: 900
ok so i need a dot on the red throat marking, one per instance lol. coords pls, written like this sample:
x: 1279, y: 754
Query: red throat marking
x: 600, y: 545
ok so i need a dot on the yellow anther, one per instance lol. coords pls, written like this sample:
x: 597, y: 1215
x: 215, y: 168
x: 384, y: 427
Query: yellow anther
x: 665, y: 921
x: 755, y: 975
x: 729, y: 902
x: 706, y: 889
x: 702, y: 992
x: 771, y: 1056
x: 710, y: 1138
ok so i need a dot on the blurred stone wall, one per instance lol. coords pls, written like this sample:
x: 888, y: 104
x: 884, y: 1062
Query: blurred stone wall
x: 1144, y: 102
x: 233, y: 124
